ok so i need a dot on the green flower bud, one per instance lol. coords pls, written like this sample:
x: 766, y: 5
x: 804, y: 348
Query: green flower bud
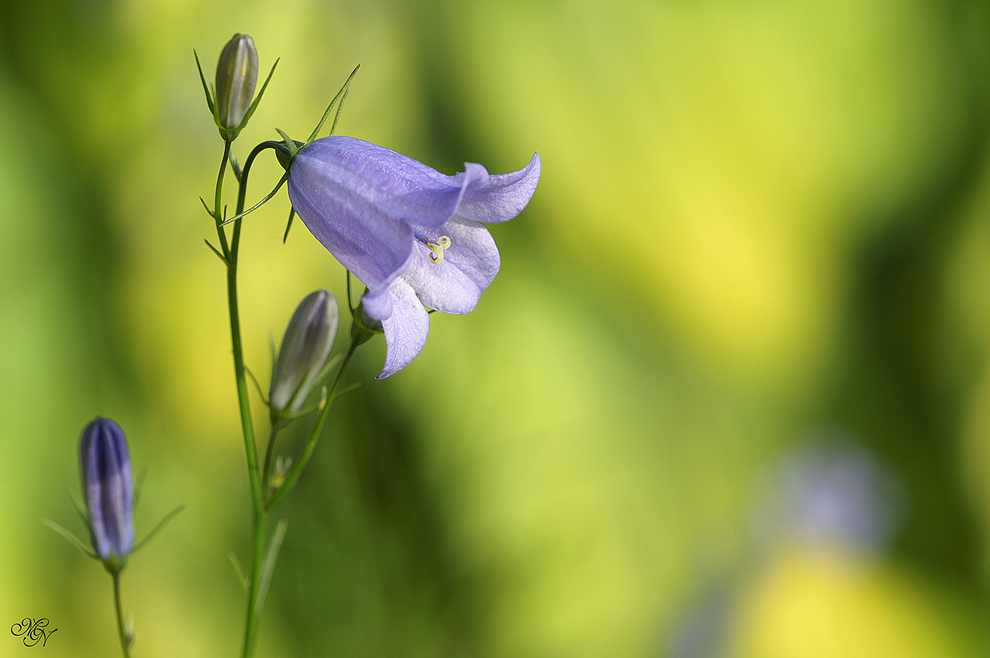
x: 237, y: 76
x: 304, y: 352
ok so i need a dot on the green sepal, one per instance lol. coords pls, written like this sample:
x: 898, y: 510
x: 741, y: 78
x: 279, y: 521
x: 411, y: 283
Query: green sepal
x: 283, y: 419
x: 257, y: 385
x: 291, y: 145
x: 234, y: 166
x: 350, y: 304
x: 80, y: 509
x: 154, y: 531
x: 257, y: 99
x: 71, y: 538
x: 113, y: 564
x: 206, y: 88
x: 278, y: 186
x: 272, y: 350
x: 288, y: 225
x: 326, y: 114
x: 340, y: 106
x: 361, y: 331
x: 139, y: 484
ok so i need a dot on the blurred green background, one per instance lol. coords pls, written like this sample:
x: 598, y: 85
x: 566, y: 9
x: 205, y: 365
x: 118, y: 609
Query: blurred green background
x: 729, y: 395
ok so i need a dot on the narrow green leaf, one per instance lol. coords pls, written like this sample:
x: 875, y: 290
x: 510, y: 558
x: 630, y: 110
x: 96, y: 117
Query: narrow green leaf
x: 208, y: 209
x: 269, y: 564
x: 217, y: 252
x: 353, y: 387
x: 237, y: 570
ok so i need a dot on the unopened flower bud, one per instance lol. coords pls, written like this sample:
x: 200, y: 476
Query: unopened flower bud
x: 108, y: 489
x: 304, y: 352
x: 237, y: 75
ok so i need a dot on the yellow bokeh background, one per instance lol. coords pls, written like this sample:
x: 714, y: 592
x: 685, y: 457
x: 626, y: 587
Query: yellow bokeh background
x: 760, y: 225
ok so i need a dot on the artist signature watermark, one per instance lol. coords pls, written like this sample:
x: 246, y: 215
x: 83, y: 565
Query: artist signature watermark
x: 32, y: 631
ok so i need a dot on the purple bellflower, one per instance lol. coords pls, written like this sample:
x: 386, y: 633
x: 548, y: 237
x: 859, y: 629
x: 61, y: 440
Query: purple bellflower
x: 413, y: 236
x: 108, y: 488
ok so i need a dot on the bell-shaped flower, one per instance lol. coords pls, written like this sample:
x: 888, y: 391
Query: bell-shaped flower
x: 108, y: 488
x: 412, y: 235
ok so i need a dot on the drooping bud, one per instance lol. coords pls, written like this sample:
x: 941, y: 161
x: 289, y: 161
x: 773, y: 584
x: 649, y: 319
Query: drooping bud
x: 304, y: 352
x: 237, y: 76
x: 108, y: 489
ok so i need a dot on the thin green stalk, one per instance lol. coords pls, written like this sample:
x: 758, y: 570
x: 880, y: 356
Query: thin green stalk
x: 125, y: 642
x: 217, y: 203
x: 258, y: 477
x: 259, y: 515
x: 259, y: 532
x: 240, y: 375
x: 266, y: 472
x: 314, y: 436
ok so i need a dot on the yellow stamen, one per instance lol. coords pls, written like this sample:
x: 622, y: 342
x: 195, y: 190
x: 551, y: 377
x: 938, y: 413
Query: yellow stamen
x: 437, y: 248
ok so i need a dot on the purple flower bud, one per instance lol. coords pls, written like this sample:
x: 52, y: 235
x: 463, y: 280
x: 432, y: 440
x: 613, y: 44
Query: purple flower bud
x: 237, y: 76
x: 415, y: 237
x: 108, y: 488
x: 304, y: 352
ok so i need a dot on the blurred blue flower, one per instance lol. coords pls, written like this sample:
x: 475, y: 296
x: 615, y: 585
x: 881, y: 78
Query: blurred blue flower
x: 108, y: 488
x: 832, y: 493
x: 412, y: 235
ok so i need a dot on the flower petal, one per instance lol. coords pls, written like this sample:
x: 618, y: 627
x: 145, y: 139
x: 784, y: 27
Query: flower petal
x: 500, y: 197
x: 373, y: 244
x: 405, y: 329
x: 395, y: 184
x: 469, y: 265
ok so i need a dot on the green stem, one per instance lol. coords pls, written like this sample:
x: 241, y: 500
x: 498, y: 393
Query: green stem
x: 258, y: 477
x: 125, y: 642
x: 267, y: 469
x: 259, y: 516
x: 314, y: 436
x: 217, y: 203
x: 259, y: 532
